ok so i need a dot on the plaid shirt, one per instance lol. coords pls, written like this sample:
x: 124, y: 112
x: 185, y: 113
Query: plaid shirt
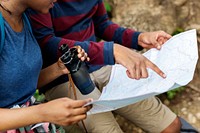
x: 79, y: 22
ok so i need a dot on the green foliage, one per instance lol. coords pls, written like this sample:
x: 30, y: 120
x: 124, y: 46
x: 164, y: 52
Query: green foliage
x: 177, y: 31
x: 107, y: 6
x: 108, y: 9
x: 171, y: 94
x: 39, y: 97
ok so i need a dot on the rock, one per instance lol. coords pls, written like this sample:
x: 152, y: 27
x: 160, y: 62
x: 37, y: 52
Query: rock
x: 198, y: 116
x: 166, y: 102
x: 192, y: 118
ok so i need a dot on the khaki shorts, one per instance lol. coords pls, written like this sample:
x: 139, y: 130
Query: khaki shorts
x: 150, y: 114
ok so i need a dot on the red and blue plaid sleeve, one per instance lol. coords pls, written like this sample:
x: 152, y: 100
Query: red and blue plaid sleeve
x: 109, y: 31
x: 100, y: 53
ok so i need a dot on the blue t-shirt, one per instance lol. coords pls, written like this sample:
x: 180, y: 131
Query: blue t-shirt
x: 20, y: 65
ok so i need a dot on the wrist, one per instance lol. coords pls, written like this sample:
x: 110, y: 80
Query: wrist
x: 116, y: 52
x: 60, y: 68
x: 139, y: 44
x: 39, y: 113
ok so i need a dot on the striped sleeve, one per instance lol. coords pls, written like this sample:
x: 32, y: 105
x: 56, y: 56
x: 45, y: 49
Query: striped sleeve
x: 50, y: 43
x: 109, y: 31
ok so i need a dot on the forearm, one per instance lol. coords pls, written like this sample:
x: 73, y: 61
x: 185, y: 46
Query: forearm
x: 15, y: 118
x: 50, y: 43
x: 49, y: 74
x: 100, y: 53
x: 110, y: 31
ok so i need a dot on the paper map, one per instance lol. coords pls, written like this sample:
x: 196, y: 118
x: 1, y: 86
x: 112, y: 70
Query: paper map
x: 177, y: 59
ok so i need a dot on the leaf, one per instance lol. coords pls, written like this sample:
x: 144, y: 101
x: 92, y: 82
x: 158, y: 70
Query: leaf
x: 107, y: 6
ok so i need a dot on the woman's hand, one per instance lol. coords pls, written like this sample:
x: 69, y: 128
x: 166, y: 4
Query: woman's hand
x: 64, y: 111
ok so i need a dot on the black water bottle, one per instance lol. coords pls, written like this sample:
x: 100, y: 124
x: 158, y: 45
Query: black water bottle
x: 77, y: 68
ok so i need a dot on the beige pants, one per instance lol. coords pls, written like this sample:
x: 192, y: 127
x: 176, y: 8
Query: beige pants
x: 150, y: 114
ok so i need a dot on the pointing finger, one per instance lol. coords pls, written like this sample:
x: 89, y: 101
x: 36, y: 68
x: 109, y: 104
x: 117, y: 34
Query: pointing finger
x: 156, y: 69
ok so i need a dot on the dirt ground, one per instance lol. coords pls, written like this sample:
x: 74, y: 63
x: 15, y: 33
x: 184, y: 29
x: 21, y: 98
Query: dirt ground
x: 185, y: 104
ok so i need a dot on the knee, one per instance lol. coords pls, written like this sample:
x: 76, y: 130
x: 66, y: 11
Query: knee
x: 174, y: 127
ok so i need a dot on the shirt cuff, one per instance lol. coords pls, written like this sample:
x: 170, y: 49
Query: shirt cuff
x: 108, y: 53
x: 135, y: 41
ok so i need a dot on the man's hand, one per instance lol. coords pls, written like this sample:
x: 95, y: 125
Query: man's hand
x: 153, y: 39
x: 82, y: 55
x: 135, y: 63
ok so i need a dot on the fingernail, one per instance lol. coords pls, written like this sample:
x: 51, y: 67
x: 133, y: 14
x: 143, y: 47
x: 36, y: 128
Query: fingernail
x: 164, y: 75
x: 90, y: 100
x: 158, y: 47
